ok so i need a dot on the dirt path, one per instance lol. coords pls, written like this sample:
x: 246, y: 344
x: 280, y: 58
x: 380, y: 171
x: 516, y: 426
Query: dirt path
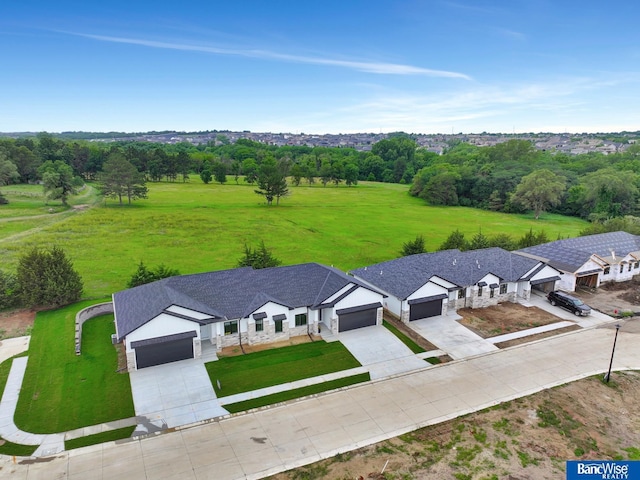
x: 60, y: 216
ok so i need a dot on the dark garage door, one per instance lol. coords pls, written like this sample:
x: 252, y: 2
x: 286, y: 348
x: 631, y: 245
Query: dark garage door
x: 165, y: 352
x: 425, y: 310
x: 363, y: 318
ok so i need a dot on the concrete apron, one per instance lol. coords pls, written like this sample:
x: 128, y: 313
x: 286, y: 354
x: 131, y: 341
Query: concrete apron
x: 173, y: 395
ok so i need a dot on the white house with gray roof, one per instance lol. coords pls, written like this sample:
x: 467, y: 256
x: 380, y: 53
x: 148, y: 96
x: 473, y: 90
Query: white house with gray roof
x: 590, y: 260
x: 174, y: 318
x: 431, y: 284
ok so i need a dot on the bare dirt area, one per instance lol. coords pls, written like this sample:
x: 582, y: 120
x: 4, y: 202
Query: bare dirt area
x: 504, y: 318
x: 16, y: 323
x: 613, y: 298
x: 525, y: 439
x: 537, y: 336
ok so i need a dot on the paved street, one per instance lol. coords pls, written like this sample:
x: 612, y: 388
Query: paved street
x: 254, y: 445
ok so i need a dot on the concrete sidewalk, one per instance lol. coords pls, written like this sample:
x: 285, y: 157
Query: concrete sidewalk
x: 257, y: 444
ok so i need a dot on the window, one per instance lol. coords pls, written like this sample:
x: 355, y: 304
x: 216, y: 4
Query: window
x: 621, y: 268
x: 607, y: 270
x: 230, y: 327
x: 492, y: 292
x: 630, y: 266
x: 462, y: 293
x: 278, y: 325
x: 259, y: 325
x: 301, y: 319
x: 479, y: 291
x: 503, y: 289
x: 637, y: 265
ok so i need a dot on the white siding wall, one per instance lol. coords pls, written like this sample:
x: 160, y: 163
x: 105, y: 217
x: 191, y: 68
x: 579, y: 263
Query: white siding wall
x: 361, y: 296
x: 160, y: 326
x: 427, y: 290
x: 567, y: 282
x: 546, y: 272
x: 392, y: 304
x: 338, y: 293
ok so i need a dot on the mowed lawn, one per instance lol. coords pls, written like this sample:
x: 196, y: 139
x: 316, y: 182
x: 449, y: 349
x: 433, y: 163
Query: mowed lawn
x: 195, y: 228
x: 63, y: 391
x: 277, y: 366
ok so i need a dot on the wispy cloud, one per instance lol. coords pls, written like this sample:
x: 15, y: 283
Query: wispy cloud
x: 362, y: 66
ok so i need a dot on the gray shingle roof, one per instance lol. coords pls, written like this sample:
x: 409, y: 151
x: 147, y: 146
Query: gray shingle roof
x: 572, y: 253
x: 403, y: 276
x: 229, y: 294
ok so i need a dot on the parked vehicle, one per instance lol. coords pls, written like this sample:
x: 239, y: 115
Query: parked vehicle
x: 573, y: 304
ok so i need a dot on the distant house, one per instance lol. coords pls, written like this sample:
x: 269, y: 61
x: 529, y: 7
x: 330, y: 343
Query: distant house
x: 175, y: 318
x: 590, y: 260
x: 431, y: 284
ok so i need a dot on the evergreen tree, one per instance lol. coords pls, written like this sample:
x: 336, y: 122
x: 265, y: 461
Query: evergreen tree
x: 413, y: 247
x: 145, y: 275
x: 455, y: 240
x: 258, y: 258
x: 46, y: 278
x: 478, y: 241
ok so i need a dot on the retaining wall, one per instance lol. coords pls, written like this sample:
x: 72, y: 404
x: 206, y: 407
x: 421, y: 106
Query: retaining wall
x: 87, y: 314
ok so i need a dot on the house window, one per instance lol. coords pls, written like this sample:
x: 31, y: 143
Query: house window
x: 259, y: 325
x: 301, y: 319
x: 479, y: 291
x: 278, y: 325
x: 607, y: 270
x: 630, y: 267
x: 230, y: 327
x: 503, y: 289
x: 621, y: 268
x: 462, y: 293
x: 636, y: 265
x: 492, y: 292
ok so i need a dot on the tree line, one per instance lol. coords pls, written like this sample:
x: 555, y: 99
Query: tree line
x: 511, y: 177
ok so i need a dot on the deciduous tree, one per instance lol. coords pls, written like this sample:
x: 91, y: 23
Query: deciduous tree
x: 57, y: 180
x: 539, y: 190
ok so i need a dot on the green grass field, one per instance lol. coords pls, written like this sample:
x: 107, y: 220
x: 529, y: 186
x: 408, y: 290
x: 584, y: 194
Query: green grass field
x: 62, y: 391
x: 195, y: 228
x: 277, y: 366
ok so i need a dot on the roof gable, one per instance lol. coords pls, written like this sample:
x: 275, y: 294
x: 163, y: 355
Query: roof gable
x: 229, y: 294
x: 570, y: 254
x: 403, y: 276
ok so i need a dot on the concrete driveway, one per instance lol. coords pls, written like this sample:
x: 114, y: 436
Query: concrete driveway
x: 380, y: 351
x: 538, y: 299
x: 451, y: 337
x: 173, y: 394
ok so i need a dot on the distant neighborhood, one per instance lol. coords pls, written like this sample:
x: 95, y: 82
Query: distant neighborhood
x: 567, y: 143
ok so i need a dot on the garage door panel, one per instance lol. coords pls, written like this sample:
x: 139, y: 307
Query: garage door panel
x: 166, y: 352
x: 351, y: 321
x: 425, y: 310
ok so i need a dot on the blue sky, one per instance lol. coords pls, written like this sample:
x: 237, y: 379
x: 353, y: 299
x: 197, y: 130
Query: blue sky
x: 320, y: 67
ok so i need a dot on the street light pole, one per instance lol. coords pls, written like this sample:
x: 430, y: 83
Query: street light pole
x: 608, y: 375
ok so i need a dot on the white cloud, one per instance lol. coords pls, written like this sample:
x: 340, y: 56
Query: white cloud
x: 363, y: 66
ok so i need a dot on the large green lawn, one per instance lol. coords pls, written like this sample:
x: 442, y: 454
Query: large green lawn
x: 277, y: 366
x: 62, y: 391
x: 195, y: 227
